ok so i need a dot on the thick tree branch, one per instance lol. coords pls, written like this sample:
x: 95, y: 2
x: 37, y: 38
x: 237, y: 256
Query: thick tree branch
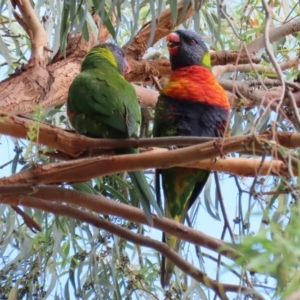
x: 102, y: 205
x: 146, y: 97
x: 87, y: 168
x: 274, y: 35
x: 20, y: 94
x: 74, y: 144
x: 241, y: 166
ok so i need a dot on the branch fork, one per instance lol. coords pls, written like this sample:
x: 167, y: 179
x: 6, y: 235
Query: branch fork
x: 31, y: 24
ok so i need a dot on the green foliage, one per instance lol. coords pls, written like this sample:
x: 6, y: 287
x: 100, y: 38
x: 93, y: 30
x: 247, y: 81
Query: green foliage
x: 33, y: 133
x: 274, y: 251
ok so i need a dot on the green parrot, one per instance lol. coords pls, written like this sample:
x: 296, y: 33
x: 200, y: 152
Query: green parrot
x: 192, y: 103
x: 102, y: 104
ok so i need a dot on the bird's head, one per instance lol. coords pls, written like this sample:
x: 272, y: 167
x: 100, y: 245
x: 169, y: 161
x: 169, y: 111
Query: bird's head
x: 187, y: 48
x: 110, y: 53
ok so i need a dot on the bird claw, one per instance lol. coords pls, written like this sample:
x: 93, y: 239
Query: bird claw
x: 83, y: 132
x: 219, y: 145
x: 173, y: 147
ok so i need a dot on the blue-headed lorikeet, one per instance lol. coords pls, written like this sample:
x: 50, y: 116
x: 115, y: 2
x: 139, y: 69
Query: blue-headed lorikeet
x: 102, y: 104
x: 192, y: 103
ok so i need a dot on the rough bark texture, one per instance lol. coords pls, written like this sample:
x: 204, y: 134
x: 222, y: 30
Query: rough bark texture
x: 46, y: 85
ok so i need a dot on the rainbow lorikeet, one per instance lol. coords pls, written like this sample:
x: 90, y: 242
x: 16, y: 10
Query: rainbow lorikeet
x: 102, y: 104
x: 192, y: 103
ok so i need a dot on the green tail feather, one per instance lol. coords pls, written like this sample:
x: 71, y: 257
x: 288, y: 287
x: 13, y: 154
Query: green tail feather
x: 181, y: 188
x: 167, y: 267
x: 141, y: 193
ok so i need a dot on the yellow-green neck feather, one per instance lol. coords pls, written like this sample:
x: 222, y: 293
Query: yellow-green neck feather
x: 97, y: 57
x: 206, y: 61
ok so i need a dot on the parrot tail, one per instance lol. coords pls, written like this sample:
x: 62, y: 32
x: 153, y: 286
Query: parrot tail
x: 167, y: 267
x: 141, y: 193
x: 181, y: 188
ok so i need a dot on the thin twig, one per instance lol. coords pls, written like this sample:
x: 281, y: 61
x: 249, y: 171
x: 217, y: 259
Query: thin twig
x: 226, y: 221
x: 223, y: 209
x: 30, y: 223
x: 156, y: 83
x: 6, y: 164
x: 276, y: 66
x: 222, y: 5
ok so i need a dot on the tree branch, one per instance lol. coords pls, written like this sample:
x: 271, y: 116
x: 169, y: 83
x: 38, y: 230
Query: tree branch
x: 246, y: 68
x: 185, y: 266
x: 146, y: 97
x: 87, y: 168
x: 38, y: 38
x: 74, y: 144
x: 274, y: 35
x: 142, y: 70
x: 267, y: 98
x: 30, y: 223
x: 47, y: 86
x: 102, y: 205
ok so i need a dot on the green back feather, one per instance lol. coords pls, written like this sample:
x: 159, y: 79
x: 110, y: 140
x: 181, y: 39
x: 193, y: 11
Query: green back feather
x: 103, y: 102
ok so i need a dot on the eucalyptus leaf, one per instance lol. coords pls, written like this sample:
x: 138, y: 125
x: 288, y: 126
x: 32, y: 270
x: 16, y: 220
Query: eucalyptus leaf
x: 211, y: 209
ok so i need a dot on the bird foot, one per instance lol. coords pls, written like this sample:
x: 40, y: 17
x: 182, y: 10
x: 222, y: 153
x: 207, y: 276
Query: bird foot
x: 218, y: 143
x: 173, y: 147
x: 83, y: 132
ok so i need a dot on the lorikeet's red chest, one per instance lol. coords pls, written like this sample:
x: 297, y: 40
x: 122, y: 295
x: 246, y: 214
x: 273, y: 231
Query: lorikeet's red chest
x: 192, y: 104
x: 196, y: 83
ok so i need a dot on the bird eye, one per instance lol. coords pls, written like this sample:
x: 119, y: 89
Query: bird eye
x: 192, y: 42
x: 120, y: 53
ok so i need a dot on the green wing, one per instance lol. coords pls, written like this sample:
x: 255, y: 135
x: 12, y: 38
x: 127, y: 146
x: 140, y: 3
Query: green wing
x: 103, y: 104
